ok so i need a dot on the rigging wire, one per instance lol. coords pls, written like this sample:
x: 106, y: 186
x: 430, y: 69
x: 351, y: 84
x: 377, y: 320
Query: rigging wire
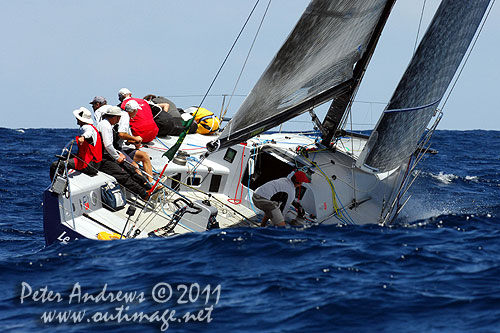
x: 230, y: 50
x: 419, y: 25
x: 469, y: 53
x: 208, y: 95
x: 246, y: 60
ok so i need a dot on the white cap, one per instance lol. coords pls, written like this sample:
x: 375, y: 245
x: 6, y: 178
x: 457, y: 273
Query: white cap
x: 84, y: 115
x: 132, y: 106
x: 122, y: 93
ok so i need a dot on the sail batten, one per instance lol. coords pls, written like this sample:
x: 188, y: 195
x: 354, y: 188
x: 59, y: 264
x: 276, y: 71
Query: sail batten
x: 314, y: 64
x: 423, y: 85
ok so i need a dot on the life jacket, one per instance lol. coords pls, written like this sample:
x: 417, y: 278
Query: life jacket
x: 88, y: 153
x: 143, y: 123
x: 207, y: 122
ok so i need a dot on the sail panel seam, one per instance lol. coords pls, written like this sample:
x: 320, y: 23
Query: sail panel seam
x: 414, y: 108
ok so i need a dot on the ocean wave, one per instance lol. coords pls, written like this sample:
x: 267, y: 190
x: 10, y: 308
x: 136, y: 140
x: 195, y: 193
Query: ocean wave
x: 445, y: 178
x: 439, y: 259
x: 472, y: 178
x: 448, y: 178
x: 16, y: 231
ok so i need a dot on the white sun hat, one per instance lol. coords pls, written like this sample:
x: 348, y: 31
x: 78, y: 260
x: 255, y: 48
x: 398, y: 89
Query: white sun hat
x: 114, y: 111
x: 84, y: 115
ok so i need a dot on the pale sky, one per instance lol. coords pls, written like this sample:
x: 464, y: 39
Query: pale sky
x: 57, y: 55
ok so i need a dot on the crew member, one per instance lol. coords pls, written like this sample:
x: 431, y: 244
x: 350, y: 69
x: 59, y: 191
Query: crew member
x: 89, y: 156
x: 114, y: 162
x: 167, y: 116
x: 143, y: 124
x: 207, y: 122
x: 274, y: 197
x: 100, y: 106
x: 129, y: 144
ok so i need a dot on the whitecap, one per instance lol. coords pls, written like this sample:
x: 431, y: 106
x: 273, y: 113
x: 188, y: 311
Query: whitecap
x: 20, y: 130
x: 445, y: 178
x: 297, y: 241
x: 424, y: 209
x: 472, y: 178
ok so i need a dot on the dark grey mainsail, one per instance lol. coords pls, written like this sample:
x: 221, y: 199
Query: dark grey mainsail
x: 423, y: 85
x: 314, y: 65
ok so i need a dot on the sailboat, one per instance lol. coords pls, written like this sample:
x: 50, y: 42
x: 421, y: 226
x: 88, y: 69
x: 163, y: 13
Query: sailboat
x: 355, y: 178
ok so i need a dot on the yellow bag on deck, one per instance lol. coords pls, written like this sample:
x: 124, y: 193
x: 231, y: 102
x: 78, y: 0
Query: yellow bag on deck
x: 103, y: 235
x: 207, y: 122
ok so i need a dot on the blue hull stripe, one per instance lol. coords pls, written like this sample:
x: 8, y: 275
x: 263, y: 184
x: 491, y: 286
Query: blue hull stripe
x: 53, y: 229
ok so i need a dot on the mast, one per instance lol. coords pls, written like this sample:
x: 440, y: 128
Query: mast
x: 342, y: 102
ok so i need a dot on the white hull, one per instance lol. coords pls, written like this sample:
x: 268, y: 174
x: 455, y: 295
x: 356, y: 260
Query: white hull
x: 353, y: 196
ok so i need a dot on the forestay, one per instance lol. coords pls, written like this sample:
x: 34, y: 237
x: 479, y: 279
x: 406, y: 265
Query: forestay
x: 314, y: 65
x: 423, y: 85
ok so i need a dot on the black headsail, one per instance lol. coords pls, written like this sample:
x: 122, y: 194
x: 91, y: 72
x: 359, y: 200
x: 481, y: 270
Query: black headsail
x: 423, y: 85
x: 314, y: 65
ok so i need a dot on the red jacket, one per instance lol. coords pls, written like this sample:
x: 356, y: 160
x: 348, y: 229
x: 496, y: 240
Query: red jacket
x: 88, y: 152
x: 143, y: 123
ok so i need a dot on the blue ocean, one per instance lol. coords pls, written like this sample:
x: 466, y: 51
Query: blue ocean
x: 436, y: 270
